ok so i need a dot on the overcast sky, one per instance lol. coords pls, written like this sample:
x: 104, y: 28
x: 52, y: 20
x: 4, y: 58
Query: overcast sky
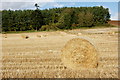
x: 46, y: 4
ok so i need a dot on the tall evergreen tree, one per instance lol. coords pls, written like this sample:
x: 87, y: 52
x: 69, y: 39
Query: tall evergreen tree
x: 37, y: 19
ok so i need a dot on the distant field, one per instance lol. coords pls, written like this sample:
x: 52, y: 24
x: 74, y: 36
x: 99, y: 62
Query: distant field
x: 39, y: 56
x: 114, y: 22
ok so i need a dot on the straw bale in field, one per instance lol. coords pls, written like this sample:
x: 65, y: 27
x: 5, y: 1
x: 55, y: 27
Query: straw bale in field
x: 45, y: 35
x: 111, y: 33
x: 79, y: 53
x: 5, y: 35
x: 25, y: 36
x: 63, y: 33
x: 39, y: 35
x: 79, y: 33
x: 42, y: 35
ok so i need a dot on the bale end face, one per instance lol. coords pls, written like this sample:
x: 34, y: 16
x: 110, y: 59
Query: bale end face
x: 79, y: 53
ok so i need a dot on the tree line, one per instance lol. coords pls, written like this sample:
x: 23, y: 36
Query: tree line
x: 54, y: 19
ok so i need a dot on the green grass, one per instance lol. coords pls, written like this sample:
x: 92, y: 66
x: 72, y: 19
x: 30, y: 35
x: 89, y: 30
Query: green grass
x: 29, y: 31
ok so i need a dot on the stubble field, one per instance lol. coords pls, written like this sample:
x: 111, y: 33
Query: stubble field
x: 39, y: 56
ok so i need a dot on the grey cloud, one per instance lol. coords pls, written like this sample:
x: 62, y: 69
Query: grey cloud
x: 17, y: 5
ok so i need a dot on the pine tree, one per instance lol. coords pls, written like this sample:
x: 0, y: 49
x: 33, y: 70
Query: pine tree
x: 37, y: 19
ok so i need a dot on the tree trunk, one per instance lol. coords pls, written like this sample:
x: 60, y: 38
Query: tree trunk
x: 36, y: 28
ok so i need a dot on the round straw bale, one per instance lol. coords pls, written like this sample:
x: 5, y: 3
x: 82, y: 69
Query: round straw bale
x: 79, y: 33
x: 25, y: 36
x: 45, y: 35
x: 79, y: 53
x: 39, y: 35
x: 5, y: 35
x: 111, y: 33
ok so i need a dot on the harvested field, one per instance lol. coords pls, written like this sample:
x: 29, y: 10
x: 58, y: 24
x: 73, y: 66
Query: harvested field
x: 40, y: 57
x: 114, y: 22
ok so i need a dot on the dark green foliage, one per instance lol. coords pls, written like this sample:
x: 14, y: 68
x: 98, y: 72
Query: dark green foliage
x: 56, y: 18
x: 37, y: 19
x: 51, y: 27
x: 66, y: 18
x: 101, y: 15
x: 17, y: 21
x: 85, y: 19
